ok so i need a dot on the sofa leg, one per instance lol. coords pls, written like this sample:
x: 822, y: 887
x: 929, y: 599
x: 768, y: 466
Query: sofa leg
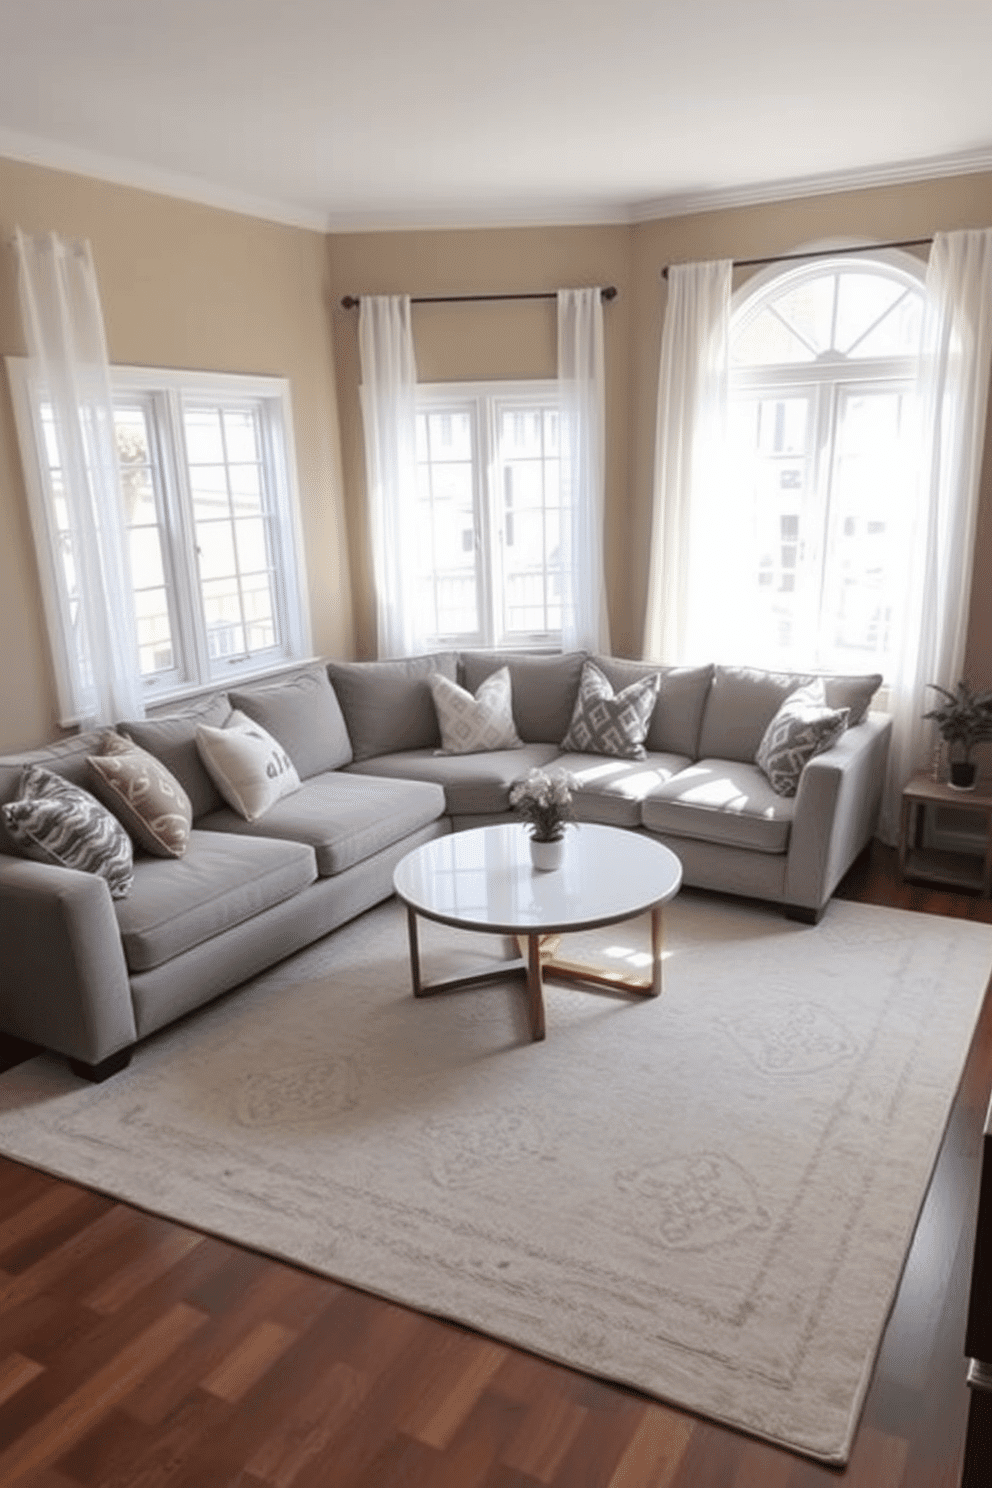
x: 97, y: 1073
x: 803, y: 915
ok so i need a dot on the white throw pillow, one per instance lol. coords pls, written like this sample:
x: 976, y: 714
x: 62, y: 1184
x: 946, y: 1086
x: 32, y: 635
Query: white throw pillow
x: 249, y: 768
x: 803, y: 727
x: 470, y: 724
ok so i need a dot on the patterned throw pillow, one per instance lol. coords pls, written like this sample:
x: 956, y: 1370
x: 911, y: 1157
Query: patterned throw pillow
x: 249, y: 768
x: 470, y: 724
x: 54, y: 821
x: 142, y: 794
x: 803, y: 727
x: 605, y: 722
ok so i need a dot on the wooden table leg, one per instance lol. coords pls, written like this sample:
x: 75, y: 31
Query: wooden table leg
x: 535, y: 987
x: 411, y: 929
x: 657, y: 947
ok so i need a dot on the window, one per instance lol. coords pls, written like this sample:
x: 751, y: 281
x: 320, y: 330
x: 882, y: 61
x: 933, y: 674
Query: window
x: 489, y: 563
x: 208, y: 474
x: 823, y: 366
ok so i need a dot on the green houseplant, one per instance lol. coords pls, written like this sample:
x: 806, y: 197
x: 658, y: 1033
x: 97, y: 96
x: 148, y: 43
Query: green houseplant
x: 963, y: 719
x: 544, y: 799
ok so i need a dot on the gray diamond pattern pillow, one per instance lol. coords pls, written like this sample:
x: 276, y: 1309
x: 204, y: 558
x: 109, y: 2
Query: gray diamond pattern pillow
x: 53, y: 821
x: 471, y: 723
x: 803, y: 727
x: 605, y: 722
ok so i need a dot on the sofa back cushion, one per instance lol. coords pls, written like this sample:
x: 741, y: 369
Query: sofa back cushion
x: 387, y: 705
x: 743, y: 701
x: 171, y: 738
x: 543, y: 688
x: 301, y: 710
x: 682, y: 693
x: 67, y: 758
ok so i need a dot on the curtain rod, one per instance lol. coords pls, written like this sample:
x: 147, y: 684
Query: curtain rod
x: 349, y: 302
x: 754, y: 263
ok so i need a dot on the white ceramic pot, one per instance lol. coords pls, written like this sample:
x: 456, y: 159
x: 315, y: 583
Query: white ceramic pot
x: 546, y: 855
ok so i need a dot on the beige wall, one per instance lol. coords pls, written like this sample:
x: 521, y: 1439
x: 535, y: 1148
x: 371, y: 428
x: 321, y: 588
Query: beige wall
x: 181, y: 286
x: 188, y: 286
x: 878, y: 215
x: 518, y: 339
x: 466, y: 342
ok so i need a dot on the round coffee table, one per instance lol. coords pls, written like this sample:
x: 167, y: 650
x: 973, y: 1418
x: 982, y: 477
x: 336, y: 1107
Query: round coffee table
x: 483, y: 879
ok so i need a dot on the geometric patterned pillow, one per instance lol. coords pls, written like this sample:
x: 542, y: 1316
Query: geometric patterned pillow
x: 604, y: 722
x: 54, y: 821
x: 142, y: 794
x: 803, y: 727
x: 470, y: 724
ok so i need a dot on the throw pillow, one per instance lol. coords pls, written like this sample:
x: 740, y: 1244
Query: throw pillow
x: 249, y: 768
x: 471, y: 723
x: 803, y: 727
x: 608, y: 722
x: 54, y: 821
x: 143, y: 795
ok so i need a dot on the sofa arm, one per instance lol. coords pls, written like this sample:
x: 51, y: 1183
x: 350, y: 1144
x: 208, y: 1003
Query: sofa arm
x: 837, y: 806
x: 63, y: 980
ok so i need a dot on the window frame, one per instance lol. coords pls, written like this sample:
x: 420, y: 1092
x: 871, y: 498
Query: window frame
x: 824, y: 380
x: 163, y: 394
x: 486, y: 401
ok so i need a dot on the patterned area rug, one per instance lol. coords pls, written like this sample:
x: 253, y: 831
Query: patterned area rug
x: 709, y: 1196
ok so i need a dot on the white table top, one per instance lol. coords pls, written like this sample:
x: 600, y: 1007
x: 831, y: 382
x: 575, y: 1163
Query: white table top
x: 483, y: 879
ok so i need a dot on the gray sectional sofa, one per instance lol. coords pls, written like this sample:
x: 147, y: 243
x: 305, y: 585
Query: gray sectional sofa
x: 88, y: 976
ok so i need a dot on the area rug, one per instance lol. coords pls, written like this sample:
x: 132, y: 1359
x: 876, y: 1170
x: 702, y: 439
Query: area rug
x: 708, y: 1196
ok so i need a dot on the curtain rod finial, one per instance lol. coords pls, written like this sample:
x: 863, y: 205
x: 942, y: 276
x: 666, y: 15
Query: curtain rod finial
x: 349, y: 302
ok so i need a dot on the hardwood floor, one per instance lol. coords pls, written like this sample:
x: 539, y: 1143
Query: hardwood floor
x: 135, y: 1353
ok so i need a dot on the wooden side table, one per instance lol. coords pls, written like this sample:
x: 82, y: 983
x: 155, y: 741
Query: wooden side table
x: 960, y: 870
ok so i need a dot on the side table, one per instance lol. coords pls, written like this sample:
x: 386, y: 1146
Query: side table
x: 961, y: 870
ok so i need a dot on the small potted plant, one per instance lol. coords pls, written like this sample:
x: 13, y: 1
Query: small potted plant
x: 963, y: 719
x: 544, y: 799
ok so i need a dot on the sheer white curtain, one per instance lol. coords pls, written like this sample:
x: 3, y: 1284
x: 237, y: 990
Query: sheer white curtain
x: 585, y: 624
x: 389, y: 414
x: 689, y: 444
x: 89, y: 598
x: 952, y: 406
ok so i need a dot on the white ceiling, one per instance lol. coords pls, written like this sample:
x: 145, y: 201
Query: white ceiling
x: 392, y: 113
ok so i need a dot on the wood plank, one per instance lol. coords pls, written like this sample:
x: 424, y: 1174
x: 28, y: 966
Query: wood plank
x: 321, y: 1384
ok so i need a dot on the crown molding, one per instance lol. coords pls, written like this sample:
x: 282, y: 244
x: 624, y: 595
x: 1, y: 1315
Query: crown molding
x: 904, y: 173
x: 506, y: 213
x: 54, y: 155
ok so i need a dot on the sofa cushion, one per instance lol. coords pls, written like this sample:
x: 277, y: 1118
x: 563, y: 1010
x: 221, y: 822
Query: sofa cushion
x: 249, y: 768
x: 803, y: 727
x: 474, y: 784
x: 743, y: 700
x: 143, y: 795
x: 221, y: 881
x: 471, y: 723
x: 611, y: 791
x: 345, y: 818
x: 53, y: 821
x: 387, y: 705
x: 721, y: 801
x: 171, y: 737
x: 682, y: 693
x: 544, y: 688
x: 67, y: 757
x: 608, y: 722
x: 301, y: 710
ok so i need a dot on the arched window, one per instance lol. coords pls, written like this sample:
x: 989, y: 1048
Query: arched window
x: 823, y: 367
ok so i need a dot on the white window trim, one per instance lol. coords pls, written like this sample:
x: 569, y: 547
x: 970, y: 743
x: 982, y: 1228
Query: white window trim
x: 821, y: 376
x: 174, y: 385
x: 488, y: 398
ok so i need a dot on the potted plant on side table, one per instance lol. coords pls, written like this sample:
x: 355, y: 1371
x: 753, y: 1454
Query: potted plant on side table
x: 963, y: 719
x: 544, y: 799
